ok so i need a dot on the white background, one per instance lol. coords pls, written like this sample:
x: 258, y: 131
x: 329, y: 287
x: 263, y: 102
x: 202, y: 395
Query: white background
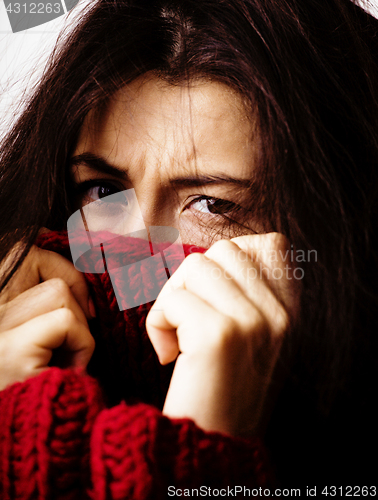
x: 23, y: 56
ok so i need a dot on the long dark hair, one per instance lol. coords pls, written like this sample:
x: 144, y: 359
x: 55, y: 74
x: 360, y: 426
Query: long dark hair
x: 308, y: 71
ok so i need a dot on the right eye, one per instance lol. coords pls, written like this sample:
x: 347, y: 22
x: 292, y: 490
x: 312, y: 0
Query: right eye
x: 98, y: 192
x: 94, y: 190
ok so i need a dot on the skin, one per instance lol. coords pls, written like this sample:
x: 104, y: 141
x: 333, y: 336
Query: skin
x: 224, y: 326
x: 160, y: 137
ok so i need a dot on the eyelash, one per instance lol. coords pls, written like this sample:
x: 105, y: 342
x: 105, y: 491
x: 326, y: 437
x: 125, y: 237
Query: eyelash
x: 229, y: 206
x: 81, y: 188
x: 85, y: 186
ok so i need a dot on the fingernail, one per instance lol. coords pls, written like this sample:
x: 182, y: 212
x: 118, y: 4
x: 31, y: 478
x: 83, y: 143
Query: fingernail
x: 91, y: 307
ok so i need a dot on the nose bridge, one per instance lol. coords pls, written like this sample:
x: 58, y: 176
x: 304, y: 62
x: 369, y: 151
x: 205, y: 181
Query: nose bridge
x: 153, y: 205
x: 153, y: 192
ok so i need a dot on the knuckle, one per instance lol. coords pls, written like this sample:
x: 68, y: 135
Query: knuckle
x: 66, y: 317
x: 219, y: 247
x: 227, y: 326
x: 261, y: 324
x: 278, y: 241
x: 34, y: 257
x: 58, y: 287
x: 194, y: 258
x: 91, y: 343
x: 281, y: 320
x: 44, y: 230
x: 225, y: 331
x: 253, y: 321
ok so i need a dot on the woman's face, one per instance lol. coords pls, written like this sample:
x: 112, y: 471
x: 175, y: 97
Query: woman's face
x: 186, y: 150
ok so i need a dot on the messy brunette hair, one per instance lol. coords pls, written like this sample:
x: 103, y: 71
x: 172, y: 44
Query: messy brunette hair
x: 308, y: 70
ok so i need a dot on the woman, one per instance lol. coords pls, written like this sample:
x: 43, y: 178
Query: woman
x: 261, y: 116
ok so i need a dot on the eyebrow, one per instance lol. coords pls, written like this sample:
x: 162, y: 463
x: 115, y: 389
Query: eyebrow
x: 99, y: 164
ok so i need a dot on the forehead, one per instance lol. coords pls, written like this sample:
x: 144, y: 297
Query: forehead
x: 153, y: 118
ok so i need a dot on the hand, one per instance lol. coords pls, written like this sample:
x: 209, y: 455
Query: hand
x: 225, y: 314
x: 44, y: 307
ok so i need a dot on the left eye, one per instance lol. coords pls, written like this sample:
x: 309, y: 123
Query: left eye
x: 215, y: 206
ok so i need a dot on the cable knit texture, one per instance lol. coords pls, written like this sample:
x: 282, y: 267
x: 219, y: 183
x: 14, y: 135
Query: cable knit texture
x: 67, y: 435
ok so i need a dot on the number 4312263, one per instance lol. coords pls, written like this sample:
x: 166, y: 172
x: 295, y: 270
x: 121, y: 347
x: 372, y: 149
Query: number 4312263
x: 350, y: 491
x: 34, y: 8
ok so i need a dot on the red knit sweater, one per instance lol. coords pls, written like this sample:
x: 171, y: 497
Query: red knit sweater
x: 66, y: 435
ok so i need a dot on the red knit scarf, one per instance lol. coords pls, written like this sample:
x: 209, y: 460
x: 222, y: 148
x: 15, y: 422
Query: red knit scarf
x: 124, y: 360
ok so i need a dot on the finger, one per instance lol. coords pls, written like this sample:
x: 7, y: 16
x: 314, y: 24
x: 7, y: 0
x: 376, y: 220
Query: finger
x: 270, y: 251
x: 42, y: 265
x: 44, y: 230
x: 56, y: 329
x: 59, y: 267
x: 248, y: 275
x: 38, y: 300
x: 184, y: 322
x: 273, y: 253
x: 206, y: 279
